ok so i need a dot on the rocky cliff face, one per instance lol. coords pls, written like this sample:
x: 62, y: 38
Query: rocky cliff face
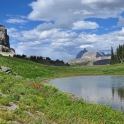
x: 81, y: 53
x: 96, y: 55
x: 4, y: 43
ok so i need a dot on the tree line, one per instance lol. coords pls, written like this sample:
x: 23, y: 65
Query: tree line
x: 42, y: 60
x: 118, y: 55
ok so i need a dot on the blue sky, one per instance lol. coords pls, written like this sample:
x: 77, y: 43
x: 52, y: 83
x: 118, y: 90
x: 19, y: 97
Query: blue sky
x: 59, y: 29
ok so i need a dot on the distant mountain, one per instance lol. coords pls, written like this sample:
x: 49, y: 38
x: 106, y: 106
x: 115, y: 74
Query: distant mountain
x: 106, y: 54
x: 93, y: 55
x: 81, y: 53
x: 85, y: 56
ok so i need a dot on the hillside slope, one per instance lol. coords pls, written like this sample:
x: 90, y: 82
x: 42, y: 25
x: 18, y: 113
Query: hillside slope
x: 25, y: 99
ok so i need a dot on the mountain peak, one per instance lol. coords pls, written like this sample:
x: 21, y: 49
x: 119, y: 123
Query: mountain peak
x: 81, y: 53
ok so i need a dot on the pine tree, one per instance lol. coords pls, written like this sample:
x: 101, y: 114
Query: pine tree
x: 112, y: 61
x: 120, y: 54
x: 117, y: 57
x: 123, y: 52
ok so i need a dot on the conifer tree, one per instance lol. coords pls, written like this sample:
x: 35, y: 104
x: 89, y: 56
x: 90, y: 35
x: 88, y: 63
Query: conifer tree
x: 112, y: 57
x: 117, y: 57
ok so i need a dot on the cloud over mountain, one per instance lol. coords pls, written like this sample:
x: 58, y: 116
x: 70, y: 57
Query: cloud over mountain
x: 65, y: 27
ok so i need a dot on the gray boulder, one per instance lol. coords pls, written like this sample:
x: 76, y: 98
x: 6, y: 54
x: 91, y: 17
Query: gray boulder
x: 6, y: 69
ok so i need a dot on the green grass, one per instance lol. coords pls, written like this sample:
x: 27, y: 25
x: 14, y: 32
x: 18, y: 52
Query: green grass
x: 26, y: 99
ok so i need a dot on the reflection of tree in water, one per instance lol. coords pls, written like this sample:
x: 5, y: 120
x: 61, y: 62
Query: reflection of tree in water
x: 119, y: 91
x: 118, y: 86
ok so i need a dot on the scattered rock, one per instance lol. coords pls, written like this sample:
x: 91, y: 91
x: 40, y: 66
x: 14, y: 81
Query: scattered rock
x: 6, y: 69
x: 9, y: 70
x: 12, y: 107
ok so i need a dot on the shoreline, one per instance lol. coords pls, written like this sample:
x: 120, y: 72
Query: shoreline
x: 76, y: 96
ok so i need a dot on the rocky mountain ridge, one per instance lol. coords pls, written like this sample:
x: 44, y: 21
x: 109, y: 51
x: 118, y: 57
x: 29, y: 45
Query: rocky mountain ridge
x: 86, y: 56
x: 80, y: 54
x: 96, y: 55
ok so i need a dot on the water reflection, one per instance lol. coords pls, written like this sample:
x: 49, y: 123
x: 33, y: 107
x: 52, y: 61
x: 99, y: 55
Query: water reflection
x: 119, y: 91
x: 98, y: 89
x: 118, y: 86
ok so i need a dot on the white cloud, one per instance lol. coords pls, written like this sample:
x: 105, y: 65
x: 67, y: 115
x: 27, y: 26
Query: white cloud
x: 45, y: 26
x: 10, y: 30
x: 81, y: 25
x: 58, y: 44
x: 121, y: 21
x: 13, y: 33
x: 65, y: 13
x: 96, y: 1
x: 15, y: 20
x: 106, y: 5
x: 56, y: 37
x: 85, y: 46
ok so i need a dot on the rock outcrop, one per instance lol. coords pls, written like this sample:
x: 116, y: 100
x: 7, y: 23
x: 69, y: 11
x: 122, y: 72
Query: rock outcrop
x: 4, y: 43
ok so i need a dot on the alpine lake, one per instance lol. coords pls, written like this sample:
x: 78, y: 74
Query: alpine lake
x: 105, y: 90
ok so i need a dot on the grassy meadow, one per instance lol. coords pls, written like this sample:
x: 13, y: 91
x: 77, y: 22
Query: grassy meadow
x: 25, y: 98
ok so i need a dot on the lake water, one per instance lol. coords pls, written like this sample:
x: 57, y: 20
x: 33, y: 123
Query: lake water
x: 95, y: 89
